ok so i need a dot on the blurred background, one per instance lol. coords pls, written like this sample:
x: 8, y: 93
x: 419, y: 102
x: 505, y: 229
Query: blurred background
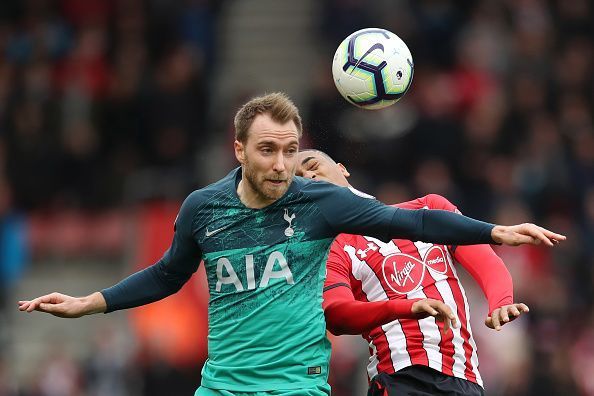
x: 112, y: 111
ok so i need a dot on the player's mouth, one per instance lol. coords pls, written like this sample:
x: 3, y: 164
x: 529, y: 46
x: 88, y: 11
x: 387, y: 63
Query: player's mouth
x: 276, y: 182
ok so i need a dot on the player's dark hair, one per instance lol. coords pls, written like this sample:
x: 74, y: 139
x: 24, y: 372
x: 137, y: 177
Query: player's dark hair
x: 320, y: 152
x: 278, y: 105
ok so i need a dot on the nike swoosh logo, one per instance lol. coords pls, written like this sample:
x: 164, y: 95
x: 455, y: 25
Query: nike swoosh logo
x: 212, y: 232
x: 369, y: 51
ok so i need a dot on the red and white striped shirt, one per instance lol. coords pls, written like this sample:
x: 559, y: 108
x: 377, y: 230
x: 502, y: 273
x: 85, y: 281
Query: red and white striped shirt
x: 402, y: 269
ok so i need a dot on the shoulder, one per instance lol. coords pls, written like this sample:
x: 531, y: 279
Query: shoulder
x: 429, y: 201
x: 322, y: 189
x: 211, y: 193
x: 199, y: 197
x: 343, y: 240
x: 305, y: 185
x: 435, y: 201
x: 342, y: 244
x: 226, y: 185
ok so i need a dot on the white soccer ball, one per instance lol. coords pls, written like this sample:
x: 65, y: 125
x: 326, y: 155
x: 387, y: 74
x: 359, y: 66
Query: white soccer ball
x: 372, y: 68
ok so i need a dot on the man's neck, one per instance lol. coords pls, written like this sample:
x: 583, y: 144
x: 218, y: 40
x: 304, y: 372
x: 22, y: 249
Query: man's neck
x: 250, y: 198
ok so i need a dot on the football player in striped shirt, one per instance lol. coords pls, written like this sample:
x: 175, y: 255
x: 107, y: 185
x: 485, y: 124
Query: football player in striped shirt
x: 384, y: 290
x: 263, y: 235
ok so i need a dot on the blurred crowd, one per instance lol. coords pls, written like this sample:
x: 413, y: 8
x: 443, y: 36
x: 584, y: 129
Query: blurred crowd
x: 99, y: 97
x: 99, y: 90
x: 499, y: 120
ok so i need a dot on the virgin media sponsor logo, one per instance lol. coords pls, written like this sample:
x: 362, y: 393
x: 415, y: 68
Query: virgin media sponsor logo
x: 404, y: 273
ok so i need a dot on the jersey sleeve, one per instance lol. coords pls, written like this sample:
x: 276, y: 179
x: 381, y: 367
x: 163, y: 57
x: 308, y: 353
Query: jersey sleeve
x: 481, y: 262
x: 338, y: 266
x: 435, y: 201
x: 345, y: 315
x: 167, y: 275
x: 350, y: 213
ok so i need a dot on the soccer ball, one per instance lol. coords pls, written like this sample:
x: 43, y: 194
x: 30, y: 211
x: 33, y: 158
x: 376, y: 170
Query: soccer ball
x: 372, y: 68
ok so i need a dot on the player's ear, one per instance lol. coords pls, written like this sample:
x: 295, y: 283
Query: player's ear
x: 343, y: 170
x: 239, y: 151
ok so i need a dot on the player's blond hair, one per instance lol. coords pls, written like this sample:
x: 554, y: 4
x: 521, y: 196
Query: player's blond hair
x: 278, y: 105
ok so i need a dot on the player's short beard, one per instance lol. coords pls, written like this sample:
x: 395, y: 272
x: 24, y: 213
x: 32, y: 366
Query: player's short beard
x: 258, y: 186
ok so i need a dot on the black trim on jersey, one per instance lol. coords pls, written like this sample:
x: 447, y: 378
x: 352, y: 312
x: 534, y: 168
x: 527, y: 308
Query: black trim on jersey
x: 336, y: 285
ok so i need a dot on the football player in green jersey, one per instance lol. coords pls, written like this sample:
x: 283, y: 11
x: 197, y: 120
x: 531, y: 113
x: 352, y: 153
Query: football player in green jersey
x: 263, y: 235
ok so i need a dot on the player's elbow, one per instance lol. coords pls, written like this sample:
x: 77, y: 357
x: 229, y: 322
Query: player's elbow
x: 331, y: 323
x: 333, y: 330
x: 338, y: 330
x: 170, y: 281
x: 338, y: 325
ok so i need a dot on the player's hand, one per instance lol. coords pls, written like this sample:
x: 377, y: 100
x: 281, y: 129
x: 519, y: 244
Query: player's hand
x: 526, y: 233
x: 438, y: 309
x: 505, y: 314
x: 65, y: 306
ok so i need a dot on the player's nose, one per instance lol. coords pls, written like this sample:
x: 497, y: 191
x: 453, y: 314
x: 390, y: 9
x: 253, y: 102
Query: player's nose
x: 279, y: 163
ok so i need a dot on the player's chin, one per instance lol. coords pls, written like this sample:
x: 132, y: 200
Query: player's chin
x: 276, y: 189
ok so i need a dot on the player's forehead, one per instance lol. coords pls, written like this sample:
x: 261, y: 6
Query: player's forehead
x: 265, y: 129
x: 307, y: 156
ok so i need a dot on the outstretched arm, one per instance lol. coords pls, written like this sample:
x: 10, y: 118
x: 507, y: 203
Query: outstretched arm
x: 151, y: 284
x: 346, y: 212
x: 492, y: 276
x: 444, y: 227
x: 156, y: 282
